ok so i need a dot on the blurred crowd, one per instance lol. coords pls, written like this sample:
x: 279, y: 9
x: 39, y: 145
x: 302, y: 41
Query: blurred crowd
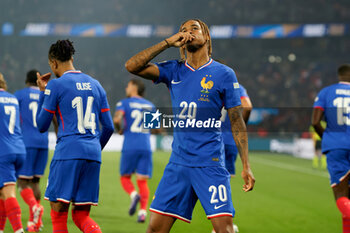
x: 168, y: 12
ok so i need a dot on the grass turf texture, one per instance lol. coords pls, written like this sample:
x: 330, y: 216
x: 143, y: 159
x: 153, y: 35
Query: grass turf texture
x: 289, y: 196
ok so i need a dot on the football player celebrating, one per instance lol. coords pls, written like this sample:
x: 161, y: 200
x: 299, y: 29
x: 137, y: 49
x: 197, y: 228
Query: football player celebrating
x: 37, y: 151
x: 136, y: 152
x: 199, y: 87
x: 80, y: 104
x: 333, y: 102
x: 12, y: 155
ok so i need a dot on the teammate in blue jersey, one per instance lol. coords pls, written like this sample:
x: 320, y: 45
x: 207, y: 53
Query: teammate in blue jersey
x: 231, y: 150
x: 333, y: 102
x: 199, y: 88
x: 37, y: 151
x: 12, y: 155
x: 80, y: 104
x: 136, y: 152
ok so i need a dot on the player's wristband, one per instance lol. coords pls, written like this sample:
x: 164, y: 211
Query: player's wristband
x: 167, y: 43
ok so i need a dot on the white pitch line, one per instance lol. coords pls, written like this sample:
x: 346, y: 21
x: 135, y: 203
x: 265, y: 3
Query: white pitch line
x: 288, y: 167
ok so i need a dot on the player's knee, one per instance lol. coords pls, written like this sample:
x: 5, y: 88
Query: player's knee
x: 79, y: 216
x: 152, y: 229
x: 227, y: 229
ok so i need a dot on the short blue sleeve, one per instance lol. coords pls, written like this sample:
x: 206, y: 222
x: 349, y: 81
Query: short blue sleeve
x: 166, y: 71
x: 320, y: 101
x: 51, y: 96
x: 243, y: 92
x: 104, y: 100
x: 120, y: 106
x: 230, y: 90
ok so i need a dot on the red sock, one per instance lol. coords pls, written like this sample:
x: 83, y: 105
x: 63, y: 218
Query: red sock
x: 2, y: 215
x: 29, y: 198
x: 127, y: 184
x: 144, y: 193
x: 13, y: 213
x: 343, y: 205
x: 84, y: 222
x: 346, y: 225
x: 59, y: 221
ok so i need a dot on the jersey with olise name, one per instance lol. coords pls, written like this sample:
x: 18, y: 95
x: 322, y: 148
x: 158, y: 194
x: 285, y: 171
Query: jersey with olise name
x: 334, y: 100
x: 28, y: 99
x: 198, y: 96
x: 78, y: 101
x: 11, y: 140
x: 136, y: 137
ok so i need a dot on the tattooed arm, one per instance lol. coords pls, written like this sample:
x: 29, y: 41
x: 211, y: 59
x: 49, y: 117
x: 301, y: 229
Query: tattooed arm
x: 139, y: 63
x: 239, y: 132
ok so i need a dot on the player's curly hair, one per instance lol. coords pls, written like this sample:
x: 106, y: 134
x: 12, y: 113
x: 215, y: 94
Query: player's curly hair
x: 140, y: 86
x: 62, y: 50
x: 205, y: 30
x: 3, y: 84
x: 344, y: 70
x: 31, y: 77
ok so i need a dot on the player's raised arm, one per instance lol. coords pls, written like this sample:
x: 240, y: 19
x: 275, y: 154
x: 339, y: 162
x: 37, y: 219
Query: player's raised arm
x: 239, y: 132
x: 140, y: 65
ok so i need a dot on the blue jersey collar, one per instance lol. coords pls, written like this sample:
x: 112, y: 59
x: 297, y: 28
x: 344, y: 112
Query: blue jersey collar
x: 72, y: 72
x: 205, y: 65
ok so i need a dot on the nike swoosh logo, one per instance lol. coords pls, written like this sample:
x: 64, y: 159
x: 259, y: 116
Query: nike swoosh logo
x: 217, y: 207
x: 173, y: 82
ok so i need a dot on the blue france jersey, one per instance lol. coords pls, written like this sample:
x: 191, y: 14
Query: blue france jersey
x: 226, y: 124
x: 11, y: 141
x: 78, y: 101
x: 334, y: 100
x: 135, y: 136
x: 198, y: 96
x: 28, y: 99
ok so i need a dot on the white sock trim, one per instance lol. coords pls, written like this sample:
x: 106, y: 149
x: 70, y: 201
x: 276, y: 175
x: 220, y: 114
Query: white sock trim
x: 142, y: 211
x: 133, y: 194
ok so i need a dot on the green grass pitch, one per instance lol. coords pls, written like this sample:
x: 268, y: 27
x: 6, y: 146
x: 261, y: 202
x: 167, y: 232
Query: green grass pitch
x: 289, y: 196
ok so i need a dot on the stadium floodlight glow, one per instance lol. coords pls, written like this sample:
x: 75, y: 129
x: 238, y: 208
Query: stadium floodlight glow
x: 272, y: 59
x: 292, y: 57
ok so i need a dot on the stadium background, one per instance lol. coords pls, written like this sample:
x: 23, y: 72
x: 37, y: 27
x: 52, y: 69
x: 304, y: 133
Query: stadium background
x: 282, y: 73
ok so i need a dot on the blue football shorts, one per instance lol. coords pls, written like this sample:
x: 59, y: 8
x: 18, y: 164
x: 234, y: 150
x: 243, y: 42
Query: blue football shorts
x: 9, y: 166
x: 338, y: 164
x: 139, y: 161
x: 181, y: 187
x: 75, y: 180
x: 231, y: 152
x: 34, y: 164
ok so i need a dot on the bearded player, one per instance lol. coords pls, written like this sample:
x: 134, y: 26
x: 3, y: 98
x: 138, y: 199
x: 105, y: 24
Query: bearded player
x: 199, y: 87
x: 136, y: 153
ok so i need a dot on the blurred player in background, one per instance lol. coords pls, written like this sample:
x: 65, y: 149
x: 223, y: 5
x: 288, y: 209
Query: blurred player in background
x: 80, y: 104
x: 231, y: 150
x: 319, y: 160
x: 37, y: 151
x: 333, y: 102
x: 199, y: 87
x: 136, y: 152
x: 12, y: 156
